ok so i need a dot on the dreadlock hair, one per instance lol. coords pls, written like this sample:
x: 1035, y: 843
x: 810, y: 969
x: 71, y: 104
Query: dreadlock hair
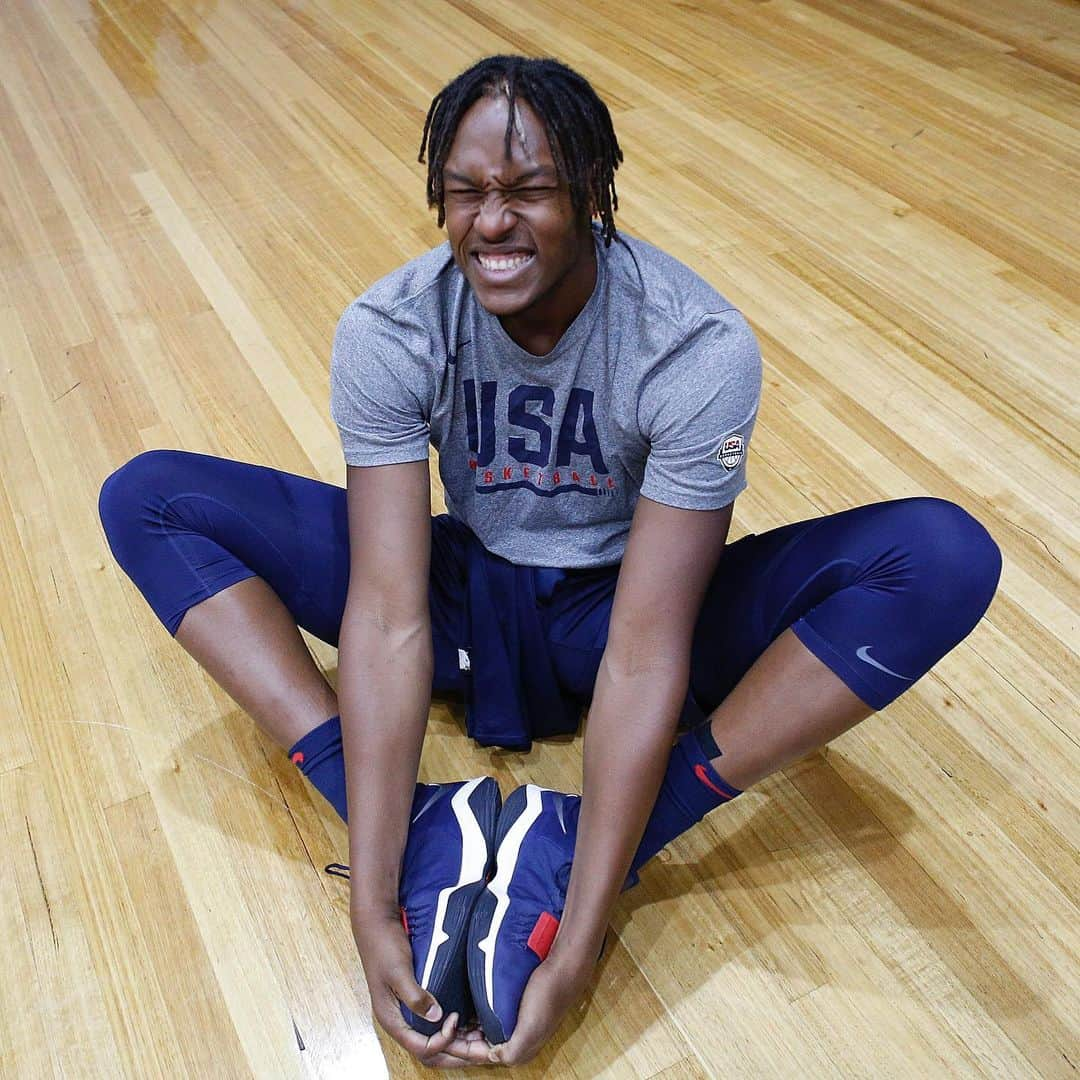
x: 577, y: 123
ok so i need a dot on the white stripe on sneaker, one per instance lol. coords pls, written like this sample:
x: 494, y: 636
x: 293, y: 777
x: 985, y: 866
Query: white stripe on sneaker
x: 506, y: 861
x: 428, y: 805
x: 473, y: 861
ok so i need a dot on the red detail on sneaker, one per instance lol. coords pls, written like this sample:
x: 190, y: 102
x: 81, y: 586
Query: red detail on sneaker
x: 543, y: 934
x: 298, y: 758
x: 703, y: 776
x: 405, y: 920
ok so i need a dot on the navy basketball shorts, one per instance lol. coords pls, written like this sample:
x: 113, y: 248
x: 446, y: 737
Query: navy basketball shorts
x: 878, y: 593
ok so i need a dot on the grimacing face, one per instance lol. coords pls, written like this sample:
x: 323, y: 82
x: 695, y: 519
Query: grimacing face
x: 512, y: 227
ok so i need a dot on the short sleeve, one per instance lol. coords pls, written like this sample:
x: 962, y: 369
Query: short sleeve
x: 381, y: 387
x: 697, y: 410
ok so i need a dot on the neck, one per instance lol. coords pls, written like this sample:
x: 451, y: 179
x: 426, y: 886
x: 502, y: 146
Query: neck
x: 541, y: 326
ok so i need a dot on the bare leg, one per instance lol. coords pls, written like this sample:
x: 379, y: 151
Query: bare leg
x: 245, y: 638
x: 788, y: 704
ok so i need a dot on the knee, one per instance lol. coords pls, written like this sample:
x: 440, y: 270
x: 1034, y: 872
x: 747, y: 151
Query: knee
x: 129, y: 489
x: 964, y: 555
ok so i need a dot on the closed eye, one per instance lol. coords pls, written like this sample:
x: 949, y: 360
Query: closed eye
x: 533, y: 192
x: 528, y: 194
x: 464, y: 197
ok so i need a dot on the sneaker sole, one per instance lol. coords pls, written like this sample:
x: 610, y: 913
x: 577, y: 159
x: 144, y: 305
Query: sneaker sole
x: 518, y: 815
x: 476, y: 806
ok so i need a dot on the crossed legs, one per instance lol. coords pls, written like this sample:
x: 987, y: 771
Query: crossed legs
x: 216, y: 545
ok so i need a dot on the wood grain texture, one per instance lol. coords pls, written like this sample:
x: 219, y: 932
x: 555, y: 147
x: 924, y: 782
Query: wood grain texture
x: 191, y: 191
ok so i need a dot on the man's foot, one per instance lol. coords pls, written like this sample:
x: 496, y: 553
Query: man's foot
x: 448, y: 856
x: 517, y: 915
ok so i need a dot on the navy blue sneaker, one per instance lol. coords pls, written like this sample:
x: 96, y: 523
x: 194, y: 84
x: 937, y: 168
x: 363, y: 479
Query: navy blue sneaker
x: 448, y: 858
x: 518, y: 914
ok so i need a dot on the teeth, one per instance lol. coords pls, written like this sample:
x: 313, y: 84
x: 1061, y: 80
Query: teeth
x: 503, y: 262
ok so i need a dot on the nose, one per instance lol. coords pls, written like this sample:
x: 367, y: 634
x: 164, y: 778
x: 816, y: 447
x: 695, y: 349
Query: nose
x: 494, y: 218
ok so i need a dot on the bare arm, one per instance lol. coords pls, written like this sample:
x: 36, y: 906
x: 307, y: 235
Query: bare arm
x: 384, y: 692
x: 384, y: 668
x: 670, y: 558
x: 640, y: 687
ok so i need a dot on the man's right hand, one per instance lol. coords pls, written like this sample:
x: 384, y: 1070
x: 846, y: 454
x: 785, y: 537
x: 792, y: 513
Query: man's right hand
x: 387, y: 959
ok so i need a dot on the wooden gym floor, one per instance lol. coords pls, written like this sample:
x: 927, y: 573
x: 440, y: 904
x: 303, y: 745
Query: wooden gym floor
x: 190, y: 193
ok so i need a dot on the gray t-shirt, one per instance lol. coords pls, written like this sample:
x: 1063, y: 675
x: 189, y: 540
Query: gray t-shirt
x: 653, y: 389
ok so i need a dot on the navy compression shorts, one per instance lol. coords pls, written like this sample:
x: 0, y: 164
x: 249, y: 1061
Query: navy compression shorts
x: 878, y: 593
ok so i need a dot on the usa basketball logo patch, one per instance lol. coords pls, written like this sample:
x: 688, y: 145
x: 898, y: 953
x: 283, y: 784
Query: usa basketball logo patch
x: 731, y: 451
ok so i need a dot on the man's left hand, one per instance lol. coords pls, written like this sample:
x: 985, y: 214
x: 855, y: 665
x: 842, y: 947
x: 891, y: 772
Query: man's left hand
x: 549, y: 994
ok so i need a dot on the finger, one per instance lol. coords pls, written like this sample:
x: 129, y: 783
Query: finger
x: 460, y: 1053
x: 444, y: 1037
x: 447, y: 1033
x: 522, y: 1045
x: 424, y: 1050
x: 401, y: 979
x: 438, y: 1045
x: 471, y: 1049
x: 388, y: 1014
x: 472, y: 1052
x: 446, y: 1061
x: 415, y: 998
x: 504, y: 1055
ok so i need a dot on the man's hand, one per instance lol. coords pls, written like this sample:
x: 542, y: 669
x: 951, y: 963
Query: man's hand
x: 551, y: 991
x: 387, y: 960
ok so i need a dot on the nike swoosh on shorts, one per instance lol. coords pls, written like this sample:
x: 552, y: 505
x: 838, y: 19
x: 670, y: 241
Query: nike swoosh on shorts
x: 863, y: 653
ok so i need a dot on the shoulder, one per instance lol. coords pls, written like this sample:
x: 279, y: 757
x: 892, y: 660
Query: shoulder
x: 409, y: 298
x: 661, y: 286
x: 681, y: 323
x: 419, y: 278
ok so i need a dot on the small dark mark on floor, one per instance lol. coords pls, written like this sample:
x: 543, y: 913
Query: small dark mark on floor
x: 66, y: 392
x: 48, y: 906
x: 946, y: 772
x: 296, y: 1032
x: 912, y: 138
x: 1039, y: 539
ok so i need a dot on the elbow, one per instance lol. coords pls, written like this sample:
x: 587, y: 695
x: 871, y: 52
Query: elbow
x: 641, y: 658
x: 393, y: 625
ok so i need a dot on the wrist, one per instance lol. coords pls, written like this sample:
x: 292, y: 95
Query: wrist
x: 372, y: 930
x: 365, y: 910
x: 576, y: 951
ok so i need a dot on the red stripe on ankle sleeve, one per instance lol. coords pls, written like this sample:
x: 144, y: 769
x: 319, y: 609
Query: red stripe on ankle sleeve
x: 298, y: 758
x: 543, y: 934
x: 703, y: 776
x: 405, y: 920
